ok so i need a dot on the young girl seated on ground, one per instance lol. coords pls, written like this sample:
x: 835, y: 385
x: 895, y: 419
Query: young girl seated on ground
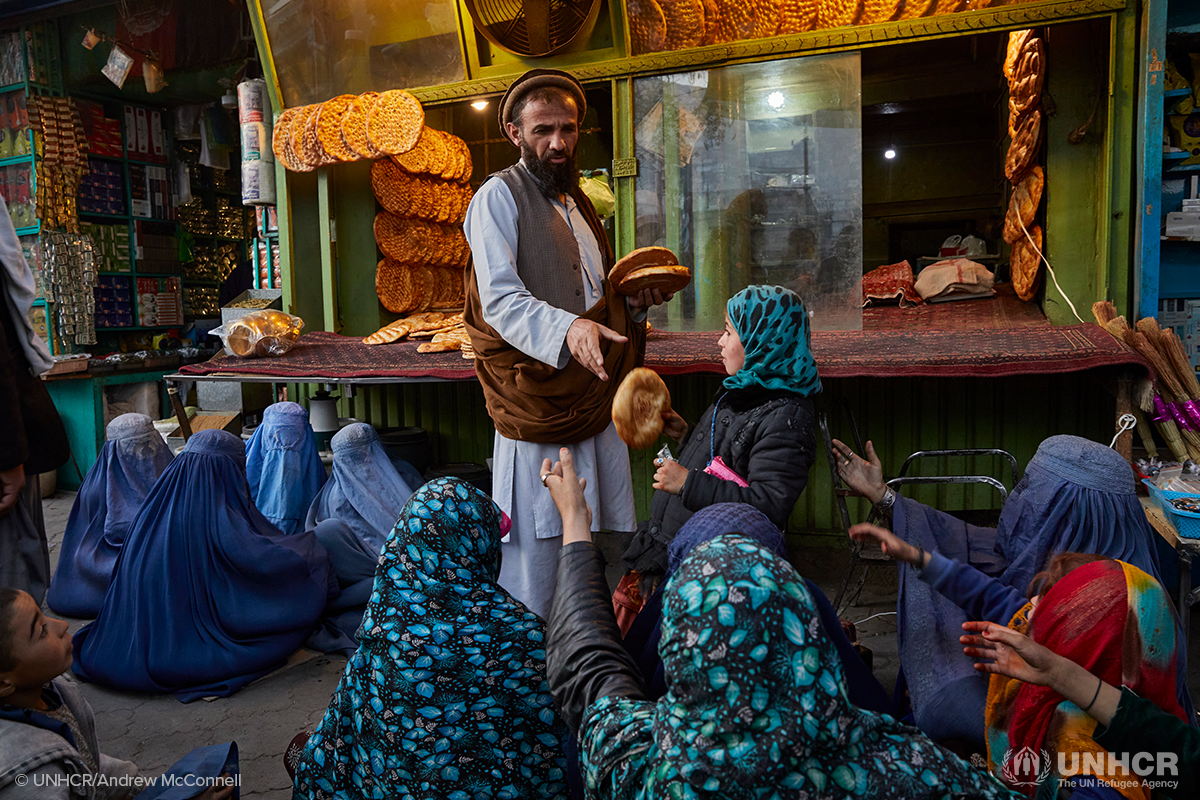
x: 48, y: 745
x: 959, y: 708
x: 753, y: 445
x: 1110, y: 619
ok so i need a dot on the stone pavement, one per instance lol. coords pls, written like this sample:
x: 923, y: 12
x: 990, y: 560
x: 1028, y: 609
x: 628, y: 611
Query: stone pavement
x: 155, y: 730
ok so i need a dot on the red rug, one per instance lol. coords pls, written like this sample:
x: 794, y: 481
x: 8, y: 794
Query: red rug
x: 979, y: 352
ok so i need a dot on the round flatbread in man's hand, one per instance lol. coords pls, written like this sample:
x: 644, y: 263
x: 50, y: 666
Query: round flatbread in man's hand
x: 649, y: 268
x: 638, y: 408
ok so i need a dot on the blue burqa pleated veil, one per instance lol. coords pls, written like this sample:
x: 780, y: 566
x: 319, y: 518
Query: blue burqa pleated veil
x: 131, y: 460
x: 366, y: 490
x: 283, y: 466
x: 1076, y: 496
x: 207, y: 594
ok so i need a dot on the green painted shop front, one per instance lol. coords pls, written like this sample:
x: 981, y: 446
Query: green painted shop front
x: 329, y: 253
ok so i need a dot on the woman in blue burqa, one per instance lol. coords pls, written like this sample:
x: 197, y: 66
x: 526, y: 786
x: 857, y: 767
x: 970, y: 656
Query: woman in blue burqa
x: 207, y: 594
x: 352, y: 516
x: 1076, y: 496
x: 283, y: 466
x: 131, y: 460
x: 446, y: 695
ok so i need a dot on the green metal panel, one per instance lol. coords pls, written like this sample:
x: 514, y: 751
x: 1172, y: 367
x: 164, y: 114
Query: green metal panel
x: 1076, y: 173
x: 359, y: 310
x: 899, y: 415
x: 1122, y: 125
x: 328, y: 266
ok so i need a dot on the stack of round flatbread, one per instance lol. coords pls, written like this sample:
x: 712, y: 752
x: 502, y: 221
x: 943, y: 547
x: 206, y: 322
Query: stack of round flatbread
x: 1024, y: 68
x: 424, y: 193
x: 348, y: 128
x: 649, y: 268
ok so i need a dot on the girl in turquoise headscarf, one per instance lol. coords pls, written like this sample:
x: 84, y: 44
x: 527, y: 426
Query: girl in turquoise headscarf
x: 753, y: 445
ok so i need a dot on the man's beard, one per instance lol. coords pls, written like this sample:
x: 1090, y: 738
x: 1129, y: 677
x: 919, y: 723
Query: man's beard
x: 553, y: 179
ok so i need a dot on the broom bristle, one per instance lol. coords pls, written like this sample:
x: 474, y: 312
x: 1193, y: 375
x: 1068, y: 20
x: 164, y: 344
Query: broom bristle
x: 1103, y: 311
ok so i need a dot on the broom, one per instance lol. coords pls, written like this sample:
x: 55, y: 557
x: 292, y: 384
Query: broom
x: 1117, y: 327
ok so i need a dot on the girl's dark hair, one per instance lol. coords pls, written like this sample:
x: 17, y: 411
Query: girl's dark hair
x: 1058, y: 568
x: 8, y: 598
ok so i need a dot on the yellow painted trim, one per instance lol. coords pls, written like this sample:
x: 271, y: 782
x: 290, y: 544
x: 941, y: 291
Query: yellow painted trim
x: 857, y: 37
x: 265, y: 55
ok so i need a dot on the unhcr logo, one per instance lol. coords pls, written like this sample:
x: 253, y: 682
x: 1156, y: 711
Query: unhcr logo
x: 1026, y: 767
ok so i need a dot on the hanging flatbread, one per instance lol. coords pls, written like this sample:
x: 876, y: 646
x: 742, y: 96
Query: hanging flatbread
x: 1023, y: 205
x: 1025, y: 263
x: 1024, y: 146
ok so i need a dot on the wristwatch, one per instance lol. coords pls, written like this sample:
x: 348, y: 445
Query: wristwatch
x: 884, y: 506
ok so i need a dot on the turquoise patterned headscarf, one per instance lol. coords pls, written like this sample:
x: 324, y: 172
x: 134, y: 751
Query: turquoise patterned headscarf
x: 756, y: 704
x: 446, y: 695
x: 772, y: 323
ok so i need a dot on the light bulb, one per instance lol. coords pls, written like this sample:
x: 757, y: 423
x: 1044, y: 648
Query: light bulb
x: 890, y: 153
x: 479, y: 105
x: 775, y: 100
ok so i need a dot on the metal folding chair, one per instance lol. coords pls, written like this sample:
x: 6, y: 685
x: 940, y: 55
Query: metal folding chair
x: 868, y: 557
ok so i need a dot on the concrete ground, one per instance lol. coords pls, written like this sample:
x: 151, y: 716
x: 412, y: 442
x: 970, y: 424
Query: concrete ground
x: 155, y: 730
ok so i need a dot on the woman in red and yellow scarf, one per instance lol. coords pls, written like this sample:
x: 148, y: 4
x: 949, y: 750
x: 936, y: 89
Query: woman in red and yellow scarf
x: 1117, y: 622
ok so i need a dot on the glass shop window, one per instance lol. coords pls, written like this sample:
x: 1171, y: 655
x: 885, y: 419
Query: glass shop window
x: 753, y: 174
x: 324, y: 48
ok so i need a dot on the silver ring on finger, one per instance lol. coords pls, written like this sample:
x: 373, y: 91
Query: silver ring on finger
x: 546, y: 475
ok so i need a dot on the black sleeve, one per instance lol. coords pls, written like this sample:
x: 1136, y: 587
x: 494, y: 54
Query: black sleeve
x: 584, y: 657
x: 1140, y: 726
x: 14, y: 447
x: 778, y: 472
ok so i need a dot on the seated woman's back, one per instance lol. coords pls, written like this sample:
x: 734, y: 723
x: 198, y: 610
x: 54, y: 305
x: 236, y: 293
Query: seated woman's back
x: 283, y: 466
x: 446, y: 695
x: 756, y: 703
x: 207, y: 594
x: 131, y: 460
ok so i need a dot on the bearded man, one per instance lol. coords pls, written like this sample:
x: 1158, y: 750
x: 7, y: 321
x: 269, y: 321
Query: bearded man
x: 552, y: 339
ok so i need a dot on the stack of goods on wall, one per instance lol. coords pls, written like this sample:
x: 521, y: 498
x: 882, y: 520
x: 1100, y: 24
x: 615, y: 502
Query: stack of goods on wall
x: 657, y: 25
x: 156, y: 247
x: 110, y: 246
x: 14, y: 126
x: 200, y: 301
x: 102, y: 133
x: 160, y: 301
x: 1024, y: 67
x: 114, y: 308
x: 102, y: 190
x: 204, y: 264
x: 68, y: 278
x: 348, y: 128
x: 60, y: 144
x: 266, y: 244
x: 258, y: 161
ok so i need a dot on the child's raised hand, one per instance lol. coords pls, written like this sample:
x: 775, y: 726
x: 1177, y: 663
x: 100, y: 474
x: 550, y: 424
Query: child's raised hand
x: 1010, y: 653
x: 890, y: 543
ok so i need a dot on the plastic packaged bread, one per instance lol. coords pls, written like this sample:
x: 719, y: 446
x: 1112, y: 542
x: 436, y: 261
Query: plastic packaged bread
x: 260, y: 334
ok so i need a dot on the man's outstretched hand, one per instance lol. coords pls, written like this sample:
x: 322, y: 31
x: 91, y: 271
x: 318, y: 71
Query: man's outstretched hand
x: 583, y: 340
